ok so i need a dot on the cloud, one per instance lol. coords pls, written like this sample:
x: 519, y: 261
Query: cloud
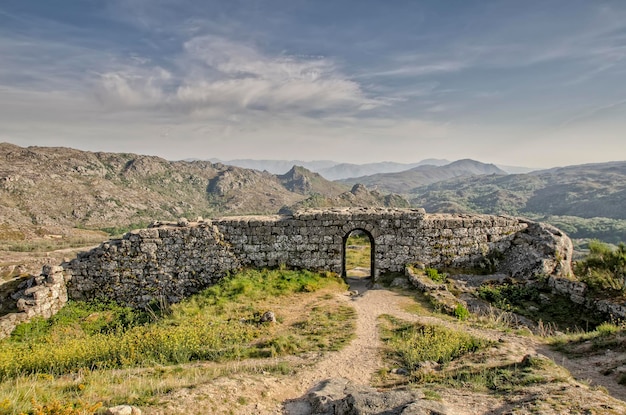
x: 592, y: 112
x: 421, y: 68
x: 214, y: 74
x: 234, y: 77
x: 132, y: 88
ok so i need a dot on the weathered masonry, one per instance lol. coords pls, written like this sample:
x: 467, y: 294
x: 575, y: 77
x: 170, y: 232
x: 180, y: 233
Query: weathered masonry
x: 172, y: 261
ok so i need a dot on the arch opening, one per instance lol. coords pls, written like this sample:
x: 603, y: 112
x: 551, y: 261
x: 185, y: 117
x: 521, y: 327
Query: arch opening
x: 358, y: 255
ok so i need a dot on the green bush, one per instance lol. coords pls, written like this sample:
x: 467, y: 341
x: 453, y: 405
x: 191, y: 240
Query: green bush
x: 508, y: 296
x: 461, y: 312
x: 434, y: 275
x: 604, y: 269
x: 413, y: 344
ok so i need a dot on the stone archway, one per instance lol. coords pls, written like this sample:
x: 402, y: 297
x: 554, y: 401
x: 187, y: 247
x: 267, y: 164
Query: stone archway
x: 344, y: 253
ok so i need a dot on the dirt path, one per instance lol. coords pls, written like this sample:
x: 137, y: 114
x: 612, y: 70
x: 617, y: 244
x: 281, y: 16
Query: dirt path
x: 357, y: 362
x: 361, y: 358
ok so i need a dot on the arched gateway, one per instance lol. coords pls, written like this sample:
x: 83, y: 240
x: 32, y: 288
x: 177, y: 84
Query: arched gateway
x: 372, y: 250
x: 173, y: 260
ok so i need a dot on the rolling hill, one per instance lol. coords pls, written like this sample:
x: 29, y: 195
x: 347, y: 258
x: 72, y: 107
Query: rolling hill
x: 44, y: 189
x: 406, y: 181
x: 587, y: 201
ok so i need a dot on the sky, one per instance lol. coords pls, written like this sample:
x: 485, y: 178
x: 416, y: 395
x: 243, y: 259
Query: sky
x: 535, y: 83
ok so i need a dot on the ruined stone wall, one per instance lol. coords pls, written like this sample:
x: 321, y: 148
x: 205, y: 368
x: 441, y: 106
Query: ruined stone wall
x: 40, y: 296
x: 314, y: 239
x: 171, y: 261
x: 166, y: 263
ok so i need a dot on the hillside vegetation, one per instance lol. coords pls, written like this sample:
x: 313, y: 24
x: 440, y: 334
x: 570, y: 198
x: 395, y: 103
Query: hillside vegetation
x: 586, y: 201
x: 45, y: 191
x: 224, y: 323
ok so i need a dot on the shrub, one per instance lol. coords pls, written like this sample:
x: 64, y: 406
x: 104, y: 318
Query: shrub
x: 508, y: 296
x: 604, y: 269
x: 434, y: 275
x: 461, y: 312
x: 413, y: 344
x: 60, y: 408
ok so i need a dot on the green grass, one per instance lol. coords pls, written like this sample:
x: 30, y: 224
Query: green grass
x: 434, y: 275
x: 605, y: 336
x: 140, y: 387
x: 503, y: 379
x: 413, y: 344
x: 358, y: 252
x: 221, y: 324
x: 604, y: 269
x: 437, y: 356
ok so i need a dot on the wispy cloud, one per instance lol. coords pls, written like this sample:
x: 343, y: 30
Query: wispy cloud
x: 214, y: 73
x: 417, y: 69
x: 593, y: 112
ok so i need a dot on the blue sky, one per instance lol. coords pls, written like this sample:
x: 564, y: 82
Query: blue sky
x: 537, y: 83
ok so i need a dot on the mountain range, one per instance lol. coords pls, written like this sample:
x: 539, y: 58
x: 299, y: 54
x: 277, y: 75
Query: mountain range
x: 44, y: 190
x: 405, y: 182
x: 333, y: 170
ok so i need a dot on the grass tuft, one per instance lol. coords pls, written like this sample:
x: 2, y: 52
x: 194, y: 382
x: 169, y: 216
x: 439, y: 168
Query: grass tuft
x: 414, y: 344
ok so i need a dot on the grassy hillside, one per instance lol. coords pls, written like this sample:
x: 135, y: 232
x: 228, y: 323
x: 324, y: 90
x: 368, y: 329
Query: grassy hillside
x: 586, y: 201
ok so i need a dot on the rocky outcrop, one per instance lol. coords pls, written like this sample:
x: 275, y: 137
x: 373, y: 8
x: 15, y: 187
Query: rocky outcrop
x: 341, y: 397
x: 540, y: 250
x: 437, y: 292
x: 358, y: 196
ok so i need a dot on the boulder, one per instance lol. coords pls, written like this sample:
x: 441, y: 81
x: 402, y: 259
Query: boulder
x: 268, y: 317
x: 123, y: 410
x: 342, y: 397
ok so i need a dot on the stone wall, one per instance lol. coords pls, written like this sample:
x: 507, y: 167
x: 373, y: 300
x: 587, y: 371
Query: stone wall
x: 172, y: 260
x: 165, y: 263
x: 42, y: 296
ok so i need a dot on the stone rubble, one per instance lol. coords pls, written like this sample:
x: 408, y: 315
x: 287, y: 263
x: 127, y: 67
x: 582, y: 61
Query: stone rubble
x: 42, y: 296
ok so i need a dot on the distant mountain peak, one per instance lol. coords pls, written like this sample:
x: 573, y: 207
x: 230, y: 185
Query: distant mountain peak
x: 303, y: 181
x: 404, y: 182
